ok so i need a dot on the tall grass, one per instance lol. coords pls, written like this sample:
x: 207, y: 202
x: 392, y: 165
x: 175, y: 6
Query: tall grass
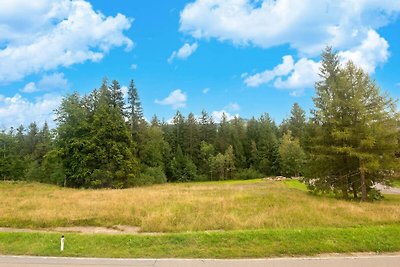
x: 255, y: 204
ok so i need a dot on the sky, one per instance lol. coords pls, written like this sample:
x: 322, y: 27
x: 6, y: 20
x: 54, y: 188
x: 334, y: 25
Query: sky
x: 239, y: 57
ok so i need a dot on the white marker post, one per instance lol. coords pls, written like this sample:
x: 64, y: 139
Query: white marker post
x: 62, y: 243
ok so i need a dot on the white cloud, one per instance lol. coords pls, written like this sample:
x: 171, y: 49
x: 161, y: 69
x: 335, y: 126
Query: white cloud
x: 205, y: 90
x: 266, y: 76
x: 134, y: 67
x: 30, y: 88
x: 45, y: 34
x: 17, y: 110
x: 294, y: 76
x: 176, y: 99
x: 307, y: 25
x: 124, y: 90
x: 303, y: 75
x: 51, y: 82
x: 217, y: 115
x: 184, y: 52
x: 374, y: 50
x: 232, y: 106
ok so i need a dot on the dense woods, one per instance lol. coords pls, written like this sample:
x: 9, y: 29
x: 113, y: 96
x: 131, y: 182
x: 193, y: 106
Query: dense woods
x: 103, y: 140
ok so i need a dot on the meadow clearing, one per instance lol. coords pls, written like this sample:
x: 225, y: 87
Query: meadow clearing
x: 226, y: 205
x: 228, y: 219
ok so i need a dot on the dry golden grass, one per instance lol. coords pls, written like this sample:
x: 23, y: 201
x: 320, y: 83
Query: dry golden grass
x: 187, y: 207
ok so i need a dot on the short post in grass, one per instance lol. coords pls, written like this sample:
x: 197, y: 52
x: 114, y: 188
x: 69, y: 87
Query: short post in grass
x: 62, y: 243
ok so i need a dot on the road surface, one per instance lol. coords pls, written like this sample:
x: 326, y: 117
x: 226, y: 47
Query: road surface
x: 339, y: 261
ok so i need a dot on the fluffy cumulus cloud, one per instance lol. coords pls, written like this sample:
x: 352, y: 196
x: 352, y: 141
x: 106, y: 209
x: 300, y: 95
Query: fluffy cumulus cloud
x: 42, y: 35
x: 290, y: 75
x: 52, y: 82
x: 268, y: 75
x: 303, y: 75
x: 373, y: 51
x: 184, y: 52
x: 17, y: 110
x: 306, y: 26
x: 176, y: 99
x: 218, y: 114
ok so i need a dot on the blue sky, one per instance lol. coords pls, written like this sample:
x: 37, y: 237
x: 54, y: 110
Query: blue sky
x: 242, y: 57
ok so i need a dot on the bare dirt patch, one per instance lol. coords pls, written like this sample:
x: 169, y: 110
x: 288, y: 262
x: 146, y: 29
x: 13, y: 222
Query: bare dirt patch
x: 118, y: 229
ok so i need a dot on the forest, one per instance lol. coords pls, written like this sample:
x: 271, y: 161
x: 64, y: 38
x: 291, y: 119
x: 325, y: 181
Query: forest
x: 102, y: 140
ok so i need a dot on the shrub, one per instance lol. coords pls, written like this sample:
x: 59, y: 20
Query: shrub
x: 247, y: 174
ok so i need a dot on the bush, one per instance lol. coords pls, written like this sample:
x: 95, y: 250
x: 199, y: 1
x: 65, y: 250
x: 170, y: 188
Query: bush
x: 201, y: 178
x: 151, y: 175
x: 247, y: 174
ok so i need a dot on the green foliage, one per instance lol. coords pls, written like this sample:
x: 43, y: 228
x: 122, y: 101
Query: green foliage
x: 151, y: 175
x: 183, y: 169
x: 206, y: 157
x: 153, y: 148
x: 134, y: 111
x: 248, y: 174
x: 354, y: 131
x: 101, y: 140
x: 95, y: 144
x: 292, y: 156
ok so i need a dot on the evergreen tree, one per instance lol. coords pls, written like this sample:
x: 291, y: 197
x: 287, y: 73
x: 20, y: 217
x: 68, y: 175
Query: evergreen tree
x: 238, y: 136
x: 178, y: 128
x: 114, y: 164
x: 94, y: 142
x: 183, y: 169
x: 267, y: 146
x: 223, y: 139
x: 155, y: 122
x: 297, y: 122
x: 135, y: 111
x: 117, y: 96
x: 191, y: 137
x: 208, y: 129
x: 354, y: 131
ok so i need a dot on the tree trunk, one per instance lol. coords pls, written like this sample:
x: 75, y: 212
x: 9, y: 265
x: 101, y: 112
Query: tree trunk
x: 363, y: 183
x: 345, y: 190
x: 354, y: 191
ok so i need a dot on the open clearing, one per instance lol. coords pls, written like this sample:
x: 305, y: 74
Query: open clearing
x: 229, y: 205
x: 229, y: 219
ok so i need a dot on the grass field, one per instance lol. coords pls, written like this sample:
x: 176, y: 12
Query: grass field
x: 229, y: 219
x: 232, y: 244
x: 229, y: 205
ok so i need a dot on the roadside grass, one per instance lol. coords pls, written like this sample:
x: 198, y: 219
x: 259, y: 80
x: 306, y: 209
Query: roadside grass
x: 232, y: 244
x: 175, y: 208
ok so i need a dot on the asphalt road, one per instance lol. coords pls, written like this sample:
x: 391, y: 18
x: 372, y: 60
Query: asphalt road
x: 350, y: 261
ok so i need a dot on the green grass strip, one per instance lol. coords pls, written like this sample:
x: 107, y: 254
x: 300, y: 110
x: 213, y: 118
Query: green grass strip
x: 396, y: 183
x: 234, y: 244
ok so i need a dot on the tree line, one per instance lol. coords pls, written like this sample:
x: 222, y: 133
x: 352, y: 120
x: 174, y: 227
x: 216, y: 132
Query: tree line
x: 102, y: 140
